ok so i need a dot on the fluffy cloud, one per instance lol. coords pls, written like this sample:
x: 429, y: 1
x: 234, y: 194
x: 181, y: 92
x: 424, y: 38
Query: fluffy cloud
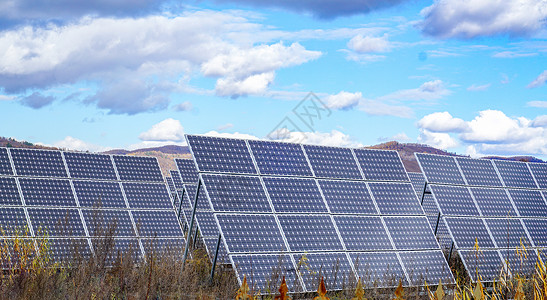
x: 493, y: 126
x: 154, y: 51
x: 540, y: 104
x: 333, y: 138
x: 472, y: 18
x: 37, y: 100
x: 539, y: 81
x: 367, y: 44
x: 184, y: 106
x: 235, y: 135
x: 437, y: 139
x: 343, y: 100
x: 442, y: 122
x: 72, y: 143
x: 168, y: 130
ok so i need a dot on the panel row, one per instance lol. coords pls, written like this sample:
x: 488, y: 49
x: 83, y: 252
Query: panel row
x: 482, y: 172
x: 222, y: 155
x: 376, y: 269
x: 50, y: 163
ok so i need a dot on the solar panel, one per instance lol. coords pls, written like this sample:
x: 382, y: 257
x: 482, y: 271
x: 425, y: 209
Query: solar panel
x: 295, y: 195
x: 211, y: 245
x: 111, y: 250
x: 265, y: 271
x: 207, y: 224
x: 13, y: 221
x: 213, y: 154
x: 537, y: 229
x: 418, y: 183
x: 515, y: 174
x: 334, y: 267
x: 310, y: 232
x: 529, y: 203
x: 157, y: 223
x: 479, y: 171
x: 466, y: 231
x: 426, y: 266
x: 161, y: 247
x: 440, y: 169
x: 395, y: 198
x: 332, y: 162
x: 90, y: 166
x: 411, y: 233
x: 56, y: 222
x: 429, y: 205
x: 493, y: 202
x: 539, y: 170
x: 47, y: 192
x: 170, y: 184
x: 188, y: 171
x: 5, y: 164
x: 40, y: 163
x: 135, y: 168
x: 508, y: 233
x: 69, y: 251
x: 486, y: 263
x: 275, y: 158
x: 99, y: 194
x: 378, y: 268
x: 108, y: 223
x: 229, y: 193
x: 381, y: 165
x: 521, y: 264
x: 363, y: 233
x: 250, y: 233
x: 9, y: 193
x: 177, y: 181
x: 348, y: 197
x: 454, y: 200
x: 147, y: 195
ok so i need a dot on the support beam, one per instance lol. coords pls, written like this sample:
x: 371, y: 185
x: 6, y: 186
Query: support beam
x: 215, y: 258
x: 437, y: 225
x: 450, y: 254
x: 191, y: 225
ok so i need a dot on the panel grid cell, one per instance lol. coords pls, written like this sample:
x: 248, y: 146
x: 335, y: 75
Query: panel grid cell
x: 310, y: 232
x: 537, y: 229
x: 454, y: 200
x: 479, y: 171
x: 9, y: 193
x: 467, y: 231
x: 157, y: 223
x: 539, y: 170
x: 378, y: 268
x: 493, y: 202
x: 251, y: 233
x: 138, y: 168
x: 177, y: 181
x: 332, y: 162
x: 13, y: 222
x: 426, y: 267
x: 108, y: 223
x: 236, y: 193
x: 440, y: 169
x: 395, y: 198
x: 508, y: 233
x: 99, y: 194
x: 275, y: 158
x: 40, y: 163
x: 47, y: 192
x: 188, y: 171
x: 69, y: 251
x: 90, y: 166
x: 515, y: 174
x: 5, y: 164
x: 487, y: 264
x: 295, y: 195
x: 363, y: 233
x: 333, y: 267
x: 411, y: 233
x: 170, y: 184
x: 147, y: 195
x: 383, y: 165
x: 56, y: 222
x: 529, y: 203
x: 347, y: 197
x: 418, y: 183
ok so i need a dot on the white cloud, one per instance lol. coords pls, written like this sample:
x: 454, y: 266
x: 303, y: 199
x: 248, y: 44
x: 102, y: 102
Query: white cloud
x: 184, y: 106
x: 71, y: 143
x: 343, y: 100
x: 512, y: 54
x: 437, y: 139
x: 539, y: 81
x: 6, y: 97
x: 168, y: 130
x: 430, y: 90
x: 473, y: 18
x: 333, y: 138
x: 478, y: 88
x: 493, y: 126
x: 399, y: 137
x: 368, y: 44
x: 540, y: 104
x: 442, y: 122
x: 235, y: 135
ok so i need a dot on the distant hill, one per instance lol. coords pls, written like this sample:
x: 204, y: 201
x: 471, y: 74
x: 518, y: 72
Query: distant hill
x: 167, y: 154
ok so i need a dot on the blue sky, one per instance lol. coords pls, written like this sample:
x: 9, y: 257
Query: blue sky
x: 466, y: 76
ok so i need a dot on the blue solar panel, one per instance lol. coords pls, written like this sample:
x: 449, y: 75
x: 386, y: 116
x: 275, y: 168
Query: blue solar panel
x: 56, y: 222
x: 537, y: 229
x: 295, y: 195
x: 207, y: 224
x: 508, y: 233
x: 99, y: 194
x: 211, y: 246
x: 515, y: 174
x: 418, y: 182
x: 251, y: 233
x: 363, y: 233
x: 395, y: 198
x: 230, y: 193
x: 333, y: 267
x: 147, y: 195
x: 411, y: 233
x: 426, y: 266
x: 332, y: 162
x: 112, y: 250
x: 108, y: 223
x: 520, y: 264
x: 157, y: 223
x: 381, y: 165
x: 47, y: 192
x: 90, y: 166
x: 486, y: 263
x: 264, y: 272
x: 177, y: 181
x: 274, y: 158
x: 349, y: 197
x: 5, y: 164
x: 493, y: 202
x: 539, y: 170
x: 165, y: 246
x: 440, y: 169
x: 529, y: 203
x: 466, y: 231
x: 69, y: 251
x: 310, y: 232
x: 9, y: 194
x: 203, y: 202
x: 13, y: 222
x: 188, y: 171
x: 170, y: 184
x: 479, y: 171
x: 41, y: 163
x: 135, y: 168
x: 214, y: 154
x: 378, y: 268
x: 454, y: 200
x: 429, y: 206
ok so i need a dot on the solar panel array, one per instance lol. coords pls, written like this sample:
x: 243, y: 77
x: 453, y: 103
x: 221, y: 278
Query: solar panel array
x: 78, y: 200
x: 349, y: 212
x: 498, y: 204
